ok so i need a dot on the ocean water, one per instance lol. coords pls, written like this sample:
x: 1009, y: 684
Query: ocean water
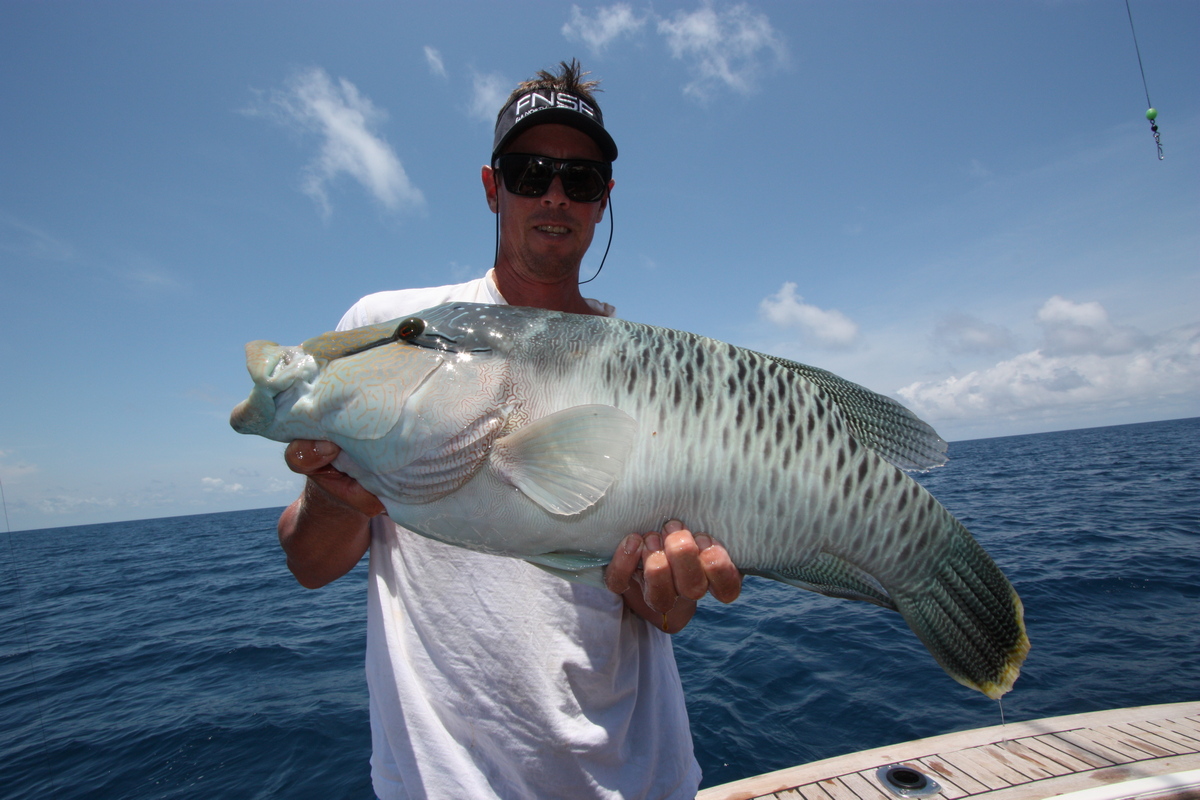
x: 176, y: 658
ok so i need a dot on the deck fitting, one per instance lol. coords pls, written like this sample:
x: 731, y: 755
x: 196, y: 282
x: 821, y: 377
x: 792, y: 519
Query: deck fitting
x: 904, y: 781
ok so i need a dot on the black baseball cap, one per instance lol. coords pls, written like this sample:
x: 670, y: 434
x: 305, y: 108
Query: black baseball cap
x: 549, y: 106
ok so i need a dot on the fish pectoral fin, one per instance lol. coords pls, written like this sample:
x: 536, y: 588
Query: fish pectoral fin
x: 572, y: 566
x: 566, y: 461
x: 829, y: 575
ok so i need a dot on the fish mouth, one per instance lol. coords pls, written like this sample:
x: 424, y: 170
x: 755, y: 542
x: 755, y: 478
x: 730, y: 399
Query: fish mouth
x: 274, y: 370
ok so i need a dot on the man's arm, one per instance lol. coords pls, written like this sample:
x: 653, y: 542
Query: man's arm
x: 325, y: 532
x: 662, y: 575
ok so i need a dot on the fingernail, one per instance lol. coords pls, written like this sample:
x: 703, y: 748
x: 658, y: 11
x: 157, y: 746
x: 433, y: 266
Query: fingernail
x: 703, y: 541
x: 653, y: 542
x: 632, y: 544
x: 324, y: 448
x: 672, y: 525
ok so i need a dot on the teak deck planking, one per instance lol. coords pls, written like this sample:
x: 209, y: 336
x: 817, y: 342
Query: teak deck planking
x: 1018, y: 761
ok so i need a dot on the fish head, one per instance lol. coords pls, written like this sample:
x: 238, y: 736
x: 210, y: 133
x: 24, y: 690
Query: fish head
x: 275, y: 370
x: 381, y: 398
x: 328, y: 387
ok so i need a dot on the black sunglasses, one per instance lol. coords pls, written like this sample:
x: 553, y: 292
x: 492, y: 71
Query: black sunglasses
x: 530, y: 176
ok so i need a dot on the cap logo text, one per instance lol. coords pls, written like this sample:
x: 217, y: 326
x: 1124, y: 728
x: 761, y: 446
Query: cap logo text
x: 536, y: 101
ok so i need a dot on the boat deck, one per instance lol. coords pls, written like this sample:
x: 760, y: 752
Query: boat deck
x: 1018, y: 761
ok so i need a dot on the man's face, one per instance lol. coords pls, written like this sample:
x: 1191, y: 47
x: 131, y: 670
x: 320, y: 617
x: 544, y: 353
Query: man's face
x: 546, y: 237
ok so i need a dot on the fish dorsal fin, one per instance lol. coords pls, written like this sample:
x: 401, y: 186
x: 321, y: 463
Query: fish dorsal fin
x: 339, y: 344
x: 878, y: 421
x: 566, y: 461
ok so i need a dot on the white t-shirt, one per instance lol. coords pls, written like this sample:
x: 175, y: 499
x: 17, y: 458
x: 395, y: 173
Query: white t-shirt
x: 490, y: 678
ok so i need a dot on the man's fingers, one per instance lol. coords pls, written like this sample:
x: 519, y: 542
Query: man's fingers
x: 724, y: 579
x: 306, y: 456
x: 679, y: 564
x: 625, y: 561
x: 348, y: 491
x: 314, y: 460
x: 683, y: 554
x: 658, y: 587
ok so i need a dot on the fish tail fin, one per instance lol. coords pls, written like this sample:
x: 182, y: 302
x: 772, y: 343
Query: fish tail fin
x: 968, y: 615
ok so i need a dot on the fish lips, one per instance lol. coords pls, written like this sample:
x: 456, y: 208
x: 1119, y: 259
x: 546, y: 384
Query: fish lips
x: 274, y: 369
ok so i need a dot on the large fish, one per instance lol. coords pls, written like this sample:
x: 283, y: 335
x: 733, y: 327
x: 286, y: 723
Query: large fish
x: 550, y: 436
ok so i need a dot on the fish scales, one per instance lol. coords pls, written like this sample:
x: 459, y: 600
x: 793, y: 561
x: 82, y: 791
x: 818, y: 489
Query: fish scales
x: 550, y: 436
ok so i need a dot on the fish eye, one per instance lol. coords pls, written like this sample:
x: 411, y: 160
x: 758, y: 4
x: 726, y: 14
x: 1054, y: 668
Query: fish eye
x: 410, y: 329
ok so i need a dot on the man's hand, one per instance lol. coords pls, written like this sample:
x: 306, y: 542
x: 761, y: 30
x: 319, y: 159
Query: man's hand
x: 326, y: 531
x: 662, y: 575
x: 314, y: 459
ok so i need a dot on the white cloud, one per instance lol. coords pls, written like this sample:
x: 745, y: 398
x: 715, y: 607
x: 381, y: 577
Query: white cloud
x: 608, y: 25
x: 727, y: 47
x: 461, y: 273
x: 346, y: 121
x: 1081, y: 328
x: 276, y: 484
x: 253, y: 484
x: 10, y: 469
x: 64, y: 504
x: 788, y: 310
x: 961, y: 334
x: 488, y: 93
x: 219, y: 485
x: 434, y: 59
x: 1087, y: 364
x: 143, y: 276
x: 147, y: 277
x: 23, y: 239
x: 976, y: 169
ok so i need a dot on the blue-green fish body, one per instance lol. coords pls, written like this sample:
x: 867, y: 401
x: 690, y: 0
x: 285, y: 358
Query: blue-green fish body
x: 550, y: 436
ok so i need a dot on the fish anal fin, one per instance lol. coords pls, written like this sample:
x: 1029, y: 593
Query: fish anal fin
x: 572, y: 566
x: 566, y: 461
x: 833, y: 576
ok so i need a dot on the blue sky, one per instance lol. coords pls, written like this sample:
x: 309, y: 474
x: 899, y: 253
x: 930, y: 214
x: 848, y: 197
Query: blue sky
x: 955, y: 203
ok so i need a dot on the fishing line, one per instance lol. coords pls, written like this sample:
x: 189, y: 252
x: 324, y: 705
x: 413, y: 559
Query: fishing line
x: 4, y: 502
x: 610, y: 233
x: 37, y: 690
x: 1151, y: 111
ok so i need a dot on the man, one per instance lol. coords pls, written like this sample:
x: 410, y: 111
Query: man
x: 487, y: 676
